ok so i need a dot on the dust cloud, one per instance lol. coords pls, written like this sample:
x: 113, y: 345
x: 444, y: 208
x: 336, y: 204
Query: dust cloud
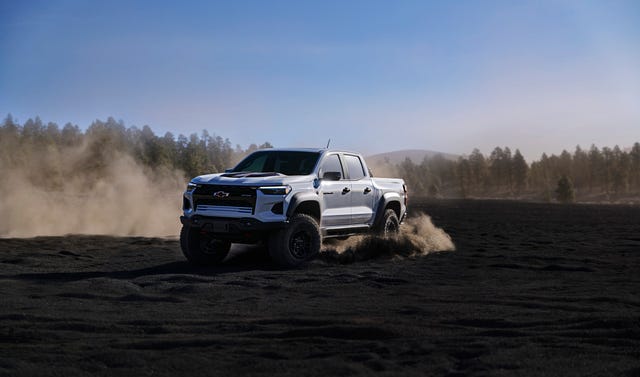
x: 86, y: 189
x: 418, y: 236
x: 381, y: 169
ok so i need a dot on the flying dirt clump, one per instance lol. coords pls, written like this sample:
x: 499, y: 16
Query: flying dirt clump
x: 417, y: 237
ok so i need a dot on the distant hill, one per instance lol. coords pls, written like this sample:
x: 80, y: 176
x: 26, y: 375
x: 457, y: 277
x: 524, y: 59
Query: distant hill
x: 415, y: 155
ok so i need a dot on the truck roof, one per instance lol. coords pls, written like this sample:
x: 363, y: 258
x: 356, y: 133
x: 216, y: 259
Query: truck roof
x: 319, y: 150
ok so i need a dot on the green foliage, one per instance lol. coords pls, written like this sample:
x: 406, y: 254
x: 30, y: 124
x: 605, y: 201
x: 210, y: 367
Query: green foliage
x: 520, y: 171
x: 601, y: 174
x: 195, y: 155
x: 500, y: 166
x: 564, y: 191
x: 479, y: 173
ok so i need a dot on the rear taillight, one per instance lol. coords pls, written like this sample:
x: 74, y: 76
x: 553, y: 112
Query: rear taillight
x: 406, y: 195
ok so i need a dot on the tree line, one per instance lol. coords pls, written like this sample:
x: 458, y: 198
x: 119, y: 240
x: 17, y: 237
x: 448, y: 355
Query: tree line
x: 194, y: 154
x: 593, y: 174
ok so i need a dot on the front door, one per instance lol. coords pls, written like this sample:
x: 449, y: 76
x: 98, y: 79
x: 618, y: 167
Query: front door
x: 336, y: 194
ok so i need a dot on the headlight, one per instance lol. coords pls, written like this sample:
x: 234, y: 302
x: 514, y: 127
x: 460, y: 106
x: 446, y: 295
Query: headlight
x: 191, y: 186
x: 276, y: 190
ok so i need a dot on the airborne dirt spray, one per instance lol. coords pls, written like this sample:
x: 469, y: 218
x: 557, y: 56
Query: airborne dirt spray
x: 418, y: 236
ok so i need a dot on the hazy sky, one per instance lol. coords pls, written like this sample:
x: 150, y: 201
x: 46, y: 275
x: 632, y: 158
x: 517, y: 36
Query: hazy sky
x: 373, y: 76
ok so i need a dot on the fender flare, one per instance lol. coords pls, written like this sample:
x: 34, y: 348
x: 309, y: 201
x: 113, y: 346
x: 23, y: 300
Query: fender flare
x: 382, y: 205
x: 303, y: 197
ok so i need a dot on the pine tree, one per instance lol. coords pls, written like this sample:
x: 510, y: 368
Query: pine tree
x: 580, y: 168
x: 464, y: 176
x: 520, y: 171
x: 479, y: 171
x: 564, y: 191
x: 621, y: 171
x: 596, y: 168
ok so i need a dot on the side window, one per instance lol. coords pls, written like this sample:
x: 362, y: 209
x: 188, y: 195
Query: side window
x: 356, y: 171
x: 332, y: 163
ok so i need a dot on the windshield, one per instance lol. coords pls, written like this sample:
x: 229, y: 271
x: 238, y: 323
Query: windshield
x: 283, y: 162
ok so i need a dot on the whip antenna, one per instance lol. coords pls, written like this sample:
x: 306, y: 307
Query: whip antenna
x: 328, y: 142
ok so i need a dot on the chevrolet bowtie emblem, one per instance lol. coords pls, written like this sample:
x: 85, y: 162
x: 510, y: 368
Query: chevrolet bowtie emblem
x: 220, y: 194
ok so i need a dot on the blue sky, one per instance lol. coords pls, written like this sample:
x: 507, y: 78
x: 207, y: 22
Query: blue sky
x: 373, y: 76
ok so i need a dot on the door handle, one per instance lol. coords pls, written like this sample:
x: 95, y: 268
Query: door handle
x: 367, y: 190
x: 346, y: 190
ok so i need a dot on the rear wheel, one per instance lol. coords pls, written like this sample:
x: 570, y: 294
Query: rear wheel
x: 200, y: 248
x: 390, y: 225
x: 297, y: 243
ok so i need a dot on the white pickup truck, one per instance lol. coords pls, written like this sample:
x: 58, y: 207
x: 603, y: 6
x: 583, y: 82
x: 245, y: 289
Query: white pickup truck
x: 291, y: 199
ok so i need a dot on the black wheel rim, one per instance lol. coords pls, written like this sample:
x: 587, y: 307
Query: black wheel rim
x: 300, y: 244
x: 390, y: 227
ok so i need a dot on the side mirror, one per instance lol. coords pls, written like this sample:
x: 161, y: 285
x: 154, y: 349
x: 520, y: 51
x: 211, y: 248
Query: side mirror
x: 228, y: 170
x: 332, y: 176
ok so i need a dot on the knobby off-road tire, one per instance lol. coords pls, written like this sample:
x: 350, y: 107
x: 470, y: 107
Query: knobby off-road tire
x: 202, y: 249
x: 296, y: 244
x: 390, y: 225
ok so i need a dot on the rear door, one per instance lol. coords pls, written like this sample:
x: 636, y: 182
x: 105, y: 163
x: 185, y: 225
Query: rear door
x: 335, y: 194
x: 361, y: 190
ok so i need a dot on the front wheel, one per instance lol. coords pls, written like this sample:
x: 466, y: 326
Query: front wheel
x: 201, y: 249
x: 297, y: 243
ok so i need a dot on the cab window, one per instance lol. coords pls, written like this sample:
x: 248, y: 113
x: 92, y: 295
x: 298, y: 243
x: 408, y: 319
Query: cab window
x: 332, y: 163
x: 354, y: 165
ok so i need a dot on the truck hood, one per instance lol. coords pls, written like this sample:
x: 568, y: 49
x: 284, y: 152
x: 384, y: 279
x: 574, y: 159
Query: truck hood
x: 250, y: 179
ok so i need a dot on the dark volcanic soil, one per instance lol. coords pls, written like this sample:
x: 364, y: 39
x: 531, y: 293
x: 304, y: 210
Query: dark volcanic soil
x: 532, y: 289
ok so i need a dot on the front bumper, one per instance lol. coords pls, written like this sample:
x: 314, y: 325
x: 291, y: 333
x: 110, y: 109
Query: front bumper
x: 240, y: 230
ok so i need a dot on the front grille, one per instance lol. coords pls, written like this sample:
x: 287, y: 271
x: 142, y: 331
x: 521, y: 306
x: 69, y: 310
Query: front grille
x: 233, y: 190
x: 242, y: 197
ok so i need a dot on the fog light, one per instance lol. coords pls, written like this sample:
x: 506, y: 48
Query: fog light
x: 278, y: 208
